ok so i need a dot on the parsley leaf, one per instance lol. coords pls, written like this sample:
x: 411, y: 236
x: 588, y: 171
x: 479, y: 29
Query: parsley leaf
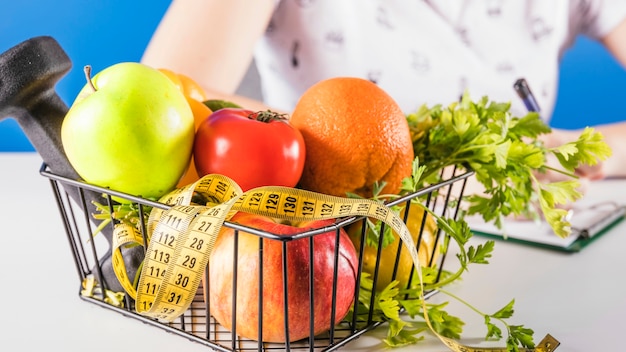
x: 444, y: 323
x: 506, y: 154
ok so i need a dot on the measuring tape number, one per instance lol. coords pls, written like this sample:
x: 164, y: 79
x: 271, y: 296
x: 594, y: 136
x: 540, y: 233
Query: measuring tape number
x: 182, y: 237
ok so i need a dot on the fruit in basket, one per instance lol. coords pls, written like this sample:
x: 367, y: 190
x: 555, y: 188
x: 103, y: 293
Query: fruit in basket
x: 298, y: 265
x: 252, y: 148
x: 186, y: 84
x: 195, y: 96
x: 129, y: 129
x: 217, y: 104
x: 427, y: 251
x: 355, y: 134
x: 200, y: 113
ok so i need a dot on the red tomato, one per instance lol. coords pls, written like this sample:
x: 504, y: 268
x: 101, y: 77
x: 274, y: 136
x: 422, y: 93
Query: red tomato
x: 253, y: 148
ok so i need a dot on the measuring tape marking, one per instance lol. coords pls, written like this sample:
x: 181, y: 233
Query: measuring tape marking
x: 123, y: 233
x: 179, y: 235
x: 168, y: 297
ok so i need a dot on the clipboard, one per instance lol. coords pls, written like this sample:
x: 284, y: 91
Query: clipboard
x: 589, y: 220
x: 588, y: 224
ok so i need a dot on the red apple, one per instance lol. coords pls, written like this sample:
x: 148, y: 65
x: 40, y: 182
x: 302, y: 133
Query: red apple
x: 298, y: 266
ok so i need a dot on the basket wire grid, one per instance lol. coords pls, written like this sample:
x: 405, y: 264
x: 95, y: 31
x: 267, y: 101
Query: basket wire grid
x: 197, y: 324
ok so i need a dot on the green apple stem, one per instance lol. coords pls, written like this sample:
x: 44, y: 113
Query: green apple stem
x: 87, y: 70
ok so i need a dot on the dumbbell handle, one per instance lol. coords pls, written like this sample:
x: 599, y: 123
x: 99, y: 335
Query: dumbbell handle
x: 29, y: 73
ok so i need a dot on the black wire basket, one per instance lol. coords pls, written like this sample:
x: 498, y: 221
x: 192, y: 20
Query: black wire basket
x: 91, y: 251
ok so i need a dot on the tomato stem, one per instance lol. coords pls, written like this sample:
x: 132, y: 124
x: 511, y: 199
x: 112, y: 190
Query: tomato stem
x: 267, y: 116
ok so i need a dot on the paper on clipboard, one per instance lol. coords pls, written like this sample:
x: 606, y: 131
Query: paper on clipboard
x: 590, y: 217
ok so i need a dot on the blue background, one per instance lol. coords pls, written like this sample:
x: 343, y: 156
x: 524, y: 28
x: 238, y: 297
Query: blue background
x: 101, y: 33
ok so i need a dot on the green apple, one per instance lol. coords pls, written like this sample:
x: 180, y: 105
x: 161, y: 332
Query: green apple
x: 130, y: 129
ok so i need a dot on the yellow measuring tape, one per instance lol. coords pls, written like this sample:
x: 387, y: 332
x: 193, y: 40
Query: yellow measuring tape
x: 182, y: 237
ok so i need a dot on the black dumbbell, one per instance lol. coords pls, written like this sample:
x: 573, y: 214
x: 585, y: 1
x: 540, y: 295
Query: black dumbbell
x: 29, y: 73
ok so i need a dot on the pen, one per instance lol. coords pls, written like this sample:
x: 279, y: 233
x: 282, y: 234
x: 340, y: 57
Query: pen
x: 524, y: 92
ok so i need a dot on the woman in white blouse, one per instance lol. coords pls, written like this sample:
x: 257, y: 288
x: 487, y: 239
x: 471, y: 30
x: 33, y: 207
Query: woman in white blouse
x: 420, y: 52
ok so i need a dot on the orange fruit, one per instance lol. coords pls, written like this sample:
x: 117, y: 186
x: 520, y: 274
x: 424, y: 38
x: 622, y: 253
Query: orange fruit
x: 200, y: 113
x: 355, y: 135
x: 195, y: 96
x: 185, y: 84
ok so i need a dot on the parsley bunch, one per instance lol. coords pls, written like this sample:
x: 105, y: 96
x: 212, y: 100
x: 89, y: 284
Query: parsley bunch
x: 507, y: 156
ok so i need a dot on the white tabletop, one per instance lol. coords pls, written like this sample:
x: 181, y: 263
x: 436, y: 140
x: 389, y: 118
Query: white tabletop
x: 578, y: 298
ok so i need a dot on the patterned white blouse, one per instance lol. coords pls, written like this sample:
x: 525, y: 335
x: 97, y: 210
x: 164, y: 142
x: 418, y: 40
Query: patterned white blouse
x: 427, y: 51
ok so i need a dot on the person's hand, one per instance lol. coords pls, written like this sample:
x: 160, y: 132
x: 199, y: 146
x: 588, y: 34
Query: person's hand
x: 585, y: 172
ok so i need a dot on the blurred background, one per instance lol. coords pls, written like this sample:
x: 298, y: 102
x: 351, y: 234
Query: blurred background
x: 104, y: 32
